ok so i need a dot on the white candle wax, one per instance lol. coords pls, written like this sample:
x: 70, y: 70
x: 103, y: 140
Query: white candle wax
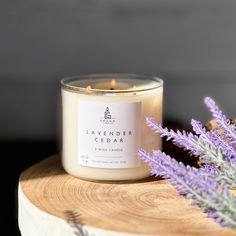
x: 104, y: 125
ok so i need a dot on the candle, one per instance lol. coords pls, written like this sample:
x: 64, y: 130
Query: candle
x: 104, y: 125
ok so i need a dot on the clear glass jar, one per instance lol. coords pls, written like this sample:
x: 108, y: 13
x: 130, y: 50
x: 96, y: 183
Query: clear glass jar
x: 104, y: 125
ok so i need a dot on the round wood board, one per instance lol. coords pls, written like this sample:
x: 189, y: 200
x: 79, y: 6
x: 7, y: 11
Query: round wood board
x: 51, y: 202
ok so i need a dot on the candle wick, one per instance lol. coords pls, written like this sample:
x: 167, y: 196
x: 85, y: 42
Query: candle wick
x: 111, y: 88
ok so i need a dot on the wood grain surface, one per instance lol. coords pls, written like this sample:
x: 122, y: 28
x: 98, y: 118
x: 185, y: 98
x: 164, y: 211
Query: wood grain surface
x: 149, y: 207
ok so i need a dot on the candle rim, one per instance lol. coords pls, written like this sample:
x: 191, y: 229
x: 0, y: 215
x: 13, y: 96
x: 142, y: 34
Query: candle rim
x: 66, y: 80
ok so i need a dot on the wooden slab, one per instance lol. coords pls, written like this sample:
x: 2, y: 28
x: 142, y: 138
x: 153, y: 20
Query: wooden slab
x: 147, y: 207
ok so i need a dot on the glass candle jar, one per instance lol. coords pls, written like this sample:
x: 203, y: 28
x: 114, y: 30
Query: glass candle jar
x: 104, y: 125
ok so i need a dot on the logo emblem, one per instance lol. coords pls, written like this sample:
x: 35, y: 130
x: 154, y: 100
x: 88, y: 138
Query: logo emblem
x: 107, y: 114
x: 107, y: 118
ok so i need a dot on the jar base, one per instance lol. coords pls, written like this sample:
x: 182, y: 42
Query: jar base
x: 102, y: 175
x: 146, y: 178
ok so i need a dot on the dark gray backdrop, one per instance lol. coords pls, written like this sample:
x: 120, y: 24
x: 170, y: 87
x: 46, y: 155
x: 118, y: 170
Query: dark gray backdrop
x: 190, y: 44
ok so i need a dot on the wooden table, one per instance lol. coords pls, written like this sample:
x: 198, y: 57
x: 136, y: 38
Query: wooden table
x: 51, y: 202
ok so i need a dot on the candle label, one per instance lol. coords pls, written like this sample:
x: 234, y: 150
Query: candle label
x: 108, y: 134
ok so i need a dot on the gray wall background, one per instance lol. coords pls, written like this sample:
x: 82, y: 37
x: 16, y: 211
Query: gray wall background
x: 190, y: 44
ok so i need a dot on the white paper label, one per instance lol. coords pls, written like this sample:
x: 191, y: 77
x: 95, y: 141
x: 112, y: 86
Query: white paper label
x: 108, y: 134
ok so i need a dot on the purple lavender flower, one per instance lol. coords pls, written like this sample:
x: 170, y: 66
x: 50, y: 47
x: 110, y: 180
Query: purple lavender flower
x: 194, y: 184
x: 202, y: 146
x: 196, y: 145
x: 213, y: 138
x: 222, y: 120
x: 184, y: 139
x: 201, y: 131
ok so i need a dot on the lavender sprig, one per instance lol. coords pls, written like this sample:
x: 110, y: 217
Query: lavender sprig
x: 203, y: 147
x: 201, y: 131
x: 181, y: 139
x: 188, y: 141
x: 196, y: 185
x: 213, y: 138
x: 228, y: 128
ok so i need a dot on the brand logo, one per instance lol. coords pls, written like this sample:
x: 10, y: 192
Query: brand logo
x: 107, y: 117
